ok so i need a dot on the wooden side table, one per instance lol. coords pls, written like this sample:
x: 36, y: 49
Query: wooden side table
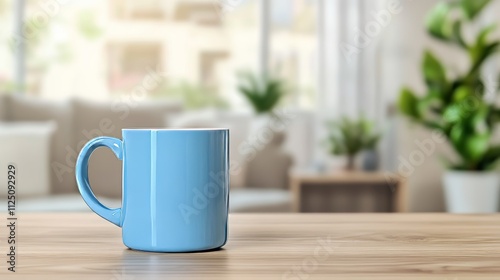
x: 300, y: 181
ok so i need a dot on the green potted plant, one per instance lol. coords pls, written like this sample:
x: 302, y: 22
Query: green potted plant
x: 457, y: 106
x: 262, y: 92
x: 348, y: 137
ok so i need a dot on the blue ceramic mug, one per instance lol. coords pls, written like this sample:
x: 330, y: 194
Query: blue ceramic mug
x: 175, y: 188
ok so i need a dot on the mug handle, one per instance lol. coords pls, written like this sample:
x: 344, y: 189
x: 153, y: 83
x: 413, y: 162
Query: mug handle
x: 113, y: 215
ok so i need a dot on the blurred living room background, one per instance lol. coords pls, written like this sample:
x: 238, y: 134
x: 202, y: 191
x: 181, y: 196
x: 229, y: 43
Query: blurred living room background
x: 291, y: 79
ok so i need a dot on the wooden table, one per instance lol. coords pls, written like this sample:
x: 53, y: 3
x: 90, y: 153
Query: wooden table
x: 269, y: 246
x: 299, y: 181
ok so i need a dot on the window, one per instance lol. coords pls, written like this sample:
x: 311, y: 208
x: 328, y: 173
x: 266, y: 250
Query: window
x: 6, y: 49
x: 102, y: 49
x: 293, y: 48
x: 128, y: 63
x: 137, y: 10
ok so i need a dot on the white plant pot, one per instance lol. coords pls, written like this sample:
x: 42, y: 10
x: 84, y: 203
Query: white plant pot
x: 471, y: 192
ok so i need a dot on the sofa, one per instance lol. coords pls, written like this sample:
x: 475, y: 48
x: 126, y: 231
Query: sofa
x: 78, y: 121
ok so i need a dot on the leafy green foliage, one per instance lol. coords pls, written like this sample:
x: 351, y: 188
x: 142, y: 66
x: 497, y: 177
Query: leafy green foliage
x: 408, y: 103
x: 456, y: 106
x: 438, y: 23
x: 263, y: 93
x: 472, y: 8
x: 349, y: 137
x: 434, y: 73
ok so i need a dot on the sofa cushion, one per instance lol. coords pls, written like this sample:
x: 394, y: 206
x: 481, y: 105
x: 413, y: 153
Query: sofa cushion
x: 27, y: 146
x: 260, y: 200
x: 270, y: 165
x: 3, y: 108
x: 28, y: 109
x: 94, y: 119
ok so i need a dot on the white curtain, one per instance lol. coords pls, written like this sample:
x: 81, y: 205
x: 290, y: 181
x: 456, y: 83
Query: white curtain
x: 356, y: 55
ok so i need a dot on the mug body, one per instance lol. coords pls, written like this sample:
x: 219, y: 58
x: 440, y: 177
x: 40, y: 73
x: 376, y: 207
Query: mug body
x: 175, y: 189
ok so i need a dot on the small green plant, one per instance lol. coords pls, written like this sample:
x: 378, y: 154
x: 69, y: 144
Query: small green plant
x: 349, y: 137
x: 458, y: 106
x: 263, y: 93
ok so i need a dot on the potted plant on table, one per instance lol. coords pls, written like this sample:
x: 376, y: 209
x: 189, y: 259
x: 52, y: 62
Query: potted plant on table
x: 264, y: 93
x: 350, y: 137
x: 458, y: 107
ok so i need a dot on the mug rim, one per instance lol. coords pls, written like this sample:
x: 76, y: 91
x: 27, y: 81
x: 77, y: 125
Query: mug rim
x: 174, y: 129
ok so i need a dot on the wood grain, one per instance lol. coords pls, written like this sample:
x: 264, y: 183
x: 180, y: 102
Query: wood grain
x: 272, y: 246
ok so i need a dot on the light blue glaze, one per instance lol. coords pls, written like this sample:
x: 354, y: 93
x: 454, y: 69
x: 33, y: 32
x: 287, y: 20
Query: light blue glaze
x: 175, y: 188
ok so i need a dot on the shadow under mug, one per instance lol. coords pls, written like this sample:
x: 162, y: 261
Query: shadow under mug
x: 175, y: 188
